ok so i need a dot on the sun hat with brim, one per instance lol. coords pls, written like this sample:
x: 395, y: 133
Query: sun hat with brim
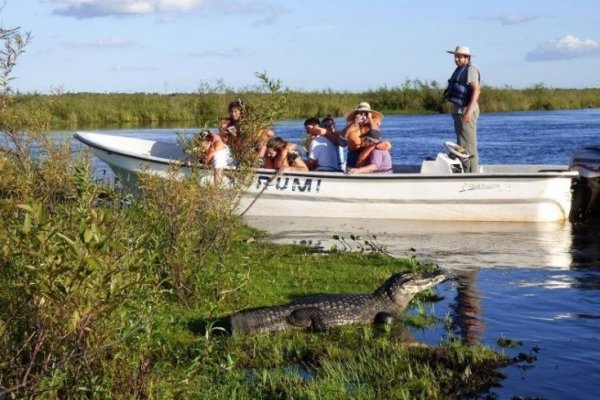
x: 462, y: 50
x: 365, y: 107
x: 374, y: 135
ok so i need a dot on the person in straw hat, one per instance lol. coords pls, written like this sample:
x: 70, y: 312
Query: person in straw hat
x: 463, y: 92
x: 359, y: 121
x: 377, y: 160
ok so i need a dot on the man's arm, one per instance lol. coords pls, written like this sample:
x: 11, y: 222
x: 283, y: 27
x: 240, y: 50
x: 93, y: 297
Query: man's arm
x: 312, y: 164
x: 332, y: 137
x: 366, y: 169
x: 475, y: 92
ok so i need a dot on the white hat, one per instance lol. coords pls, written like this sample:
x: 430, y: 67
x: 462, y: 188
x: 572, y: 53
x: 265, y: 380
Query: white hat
x: 366, y: 107
x: 463, y: 50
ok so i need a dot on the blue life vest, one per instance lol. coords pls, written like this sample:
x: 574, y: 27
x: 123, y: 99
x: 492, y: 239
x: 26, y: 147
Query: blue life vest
x: 458, y: 91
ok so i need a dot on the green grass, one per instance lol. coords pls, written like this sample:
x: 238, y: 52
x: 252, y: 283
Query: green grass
x: 347, y: 362
x: 156, y: 345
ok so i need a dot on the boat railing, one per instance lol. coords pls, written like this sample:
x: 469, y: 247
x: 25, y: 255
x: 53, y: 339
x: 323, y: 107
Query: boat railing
x: 523, y: 168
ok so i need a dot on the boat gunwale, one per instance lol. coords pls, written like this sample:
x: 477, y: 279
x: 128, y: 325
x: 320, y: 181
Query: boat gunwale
x: 559, y: 172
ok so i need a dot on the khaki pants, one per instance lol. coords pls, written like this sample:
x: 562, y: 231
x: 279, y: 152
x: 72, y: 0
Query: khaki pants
x: 466, y: 137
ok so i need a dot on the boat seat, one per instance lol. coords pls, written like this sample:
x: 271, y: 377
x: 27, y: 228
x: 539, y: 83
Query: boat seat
x: 405, y: 169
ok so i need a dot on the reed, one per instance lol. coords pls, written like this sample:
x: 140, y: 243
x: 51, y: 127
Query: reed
x: 205, y: 108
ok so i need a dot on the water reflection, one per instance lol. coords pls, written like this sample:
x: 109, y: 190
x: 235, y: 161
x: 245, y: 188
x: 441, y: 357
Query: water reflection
x: 467, y: 315
x: 454, y: 245
x: 585, y: 246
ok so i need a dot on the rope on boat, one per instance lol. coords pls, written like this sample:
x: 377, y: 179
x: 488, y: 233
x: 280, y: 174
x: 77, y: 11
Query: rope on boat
x: 276, y: 175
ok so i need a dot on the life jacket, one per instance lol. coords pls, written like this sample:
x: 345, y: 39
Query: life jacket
x: 458, y: 91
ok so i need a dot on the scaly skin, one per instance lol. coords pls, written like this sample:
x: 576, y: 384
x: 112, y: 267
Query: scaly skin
x: 324, y: 311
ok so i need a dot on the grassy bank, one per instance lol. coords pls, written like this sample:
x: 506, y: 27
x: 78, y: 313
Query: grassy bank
x: 198, y: 109
x: 102, y: 301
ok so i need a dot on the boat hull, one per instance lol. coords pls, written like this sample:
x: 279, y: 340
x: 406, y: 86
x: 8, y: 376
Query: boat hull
x: 500, y: 193
x: 465, y: 197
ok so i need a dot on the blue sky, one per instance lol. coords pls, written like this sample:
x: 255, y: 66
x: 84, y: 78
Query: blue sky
x: 167, y: 46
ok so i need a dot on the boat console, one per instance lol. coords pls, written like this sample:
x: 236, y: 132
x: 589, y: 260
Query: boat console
x: 441, y: 165
x: 451, y: 163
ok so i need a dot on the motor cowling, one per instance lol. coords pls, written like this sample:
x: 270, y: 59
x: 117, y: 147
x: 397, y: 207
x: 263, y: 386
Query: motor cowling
x: 586, y: 161
x: 586, y: 189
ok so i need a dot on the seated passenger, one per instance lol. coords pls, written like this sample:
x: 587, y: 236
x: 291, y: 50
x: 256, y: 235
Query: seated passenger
x: 313, y: 124
x: 341, y: 142
x: 328, y: 124
x: 360, y: 121
x: 231, y: 130
x: 282, y: 155
x: 260, y: 143
x: 230, y: 126
x: 197, y: 148
x: 322, y: 153
x: 327, y: 129
x: 217, y: 154
x: 363, y: 157
x: 378, y: 160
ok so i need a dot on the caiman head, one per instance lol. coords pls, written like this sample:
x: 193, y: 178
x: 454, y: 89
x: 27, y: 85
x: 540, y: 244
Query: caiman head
x: 402, y: 287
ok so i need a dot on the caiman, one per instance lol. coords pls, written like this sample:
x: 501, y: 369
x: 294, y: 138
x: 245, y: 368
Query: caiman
x: 320, y: 312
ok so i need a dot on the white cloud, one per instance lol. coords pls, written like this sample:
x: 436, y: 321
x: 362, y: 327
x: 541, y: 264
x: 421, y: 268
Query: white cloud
x: 322, y: 28
x: 235, y: 52
x: 565, y: 48
x: 266, y: 12
x: 514, y: 19
x: 104, y: 8
x: 110, y: 42
x: 132, y: 68
x: 263, y: 11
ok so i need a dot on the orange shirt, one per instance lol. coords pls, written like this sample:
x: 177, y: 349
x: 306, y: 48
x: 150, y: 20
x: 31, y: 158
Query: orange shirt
x: 354, y: 133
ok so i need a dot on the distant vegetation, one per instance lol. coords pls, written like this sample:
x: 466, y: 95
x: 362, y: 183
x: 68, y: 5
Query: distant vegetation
x: 209, y: 104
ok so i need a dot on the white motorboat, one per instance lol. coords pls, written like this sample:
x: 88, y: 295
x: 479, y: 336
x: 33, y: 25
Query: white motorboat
x: 435, y: 190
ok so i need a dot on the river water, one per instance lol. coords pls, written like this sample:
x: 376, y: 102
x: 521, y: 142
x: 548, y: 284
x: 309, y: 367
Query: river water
x: 538, y: 284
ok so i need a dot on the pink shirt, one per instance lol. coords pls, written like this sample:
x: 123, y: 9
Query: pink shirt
x: 382, y: 159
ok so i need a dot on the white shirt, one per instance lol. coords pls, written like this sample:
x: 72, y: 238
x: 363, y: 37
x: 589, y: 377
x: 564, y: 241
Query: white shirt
x: 223, y: 158
x: 324, y: 153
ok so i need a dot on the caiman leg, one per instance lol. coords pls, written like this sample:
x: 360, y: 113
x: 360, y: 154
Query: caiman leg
x: 385, y: 318
x: 309, y: 317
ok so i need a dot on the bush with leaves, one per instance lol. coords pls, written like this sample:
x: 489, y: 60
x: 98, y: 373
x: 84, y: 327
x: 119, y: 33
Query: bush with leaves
x: 81, y: 274
x: 73, y: 293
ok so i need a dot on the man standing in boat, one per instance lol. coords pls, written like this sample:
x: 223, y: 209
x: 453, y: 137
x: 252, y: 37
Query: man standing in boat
x: 463, y: 92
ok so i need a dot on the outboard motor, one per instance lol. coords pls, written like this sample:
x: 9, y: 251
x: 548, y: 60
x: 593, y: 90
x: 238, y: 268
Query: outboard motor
x: 586, y: 188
